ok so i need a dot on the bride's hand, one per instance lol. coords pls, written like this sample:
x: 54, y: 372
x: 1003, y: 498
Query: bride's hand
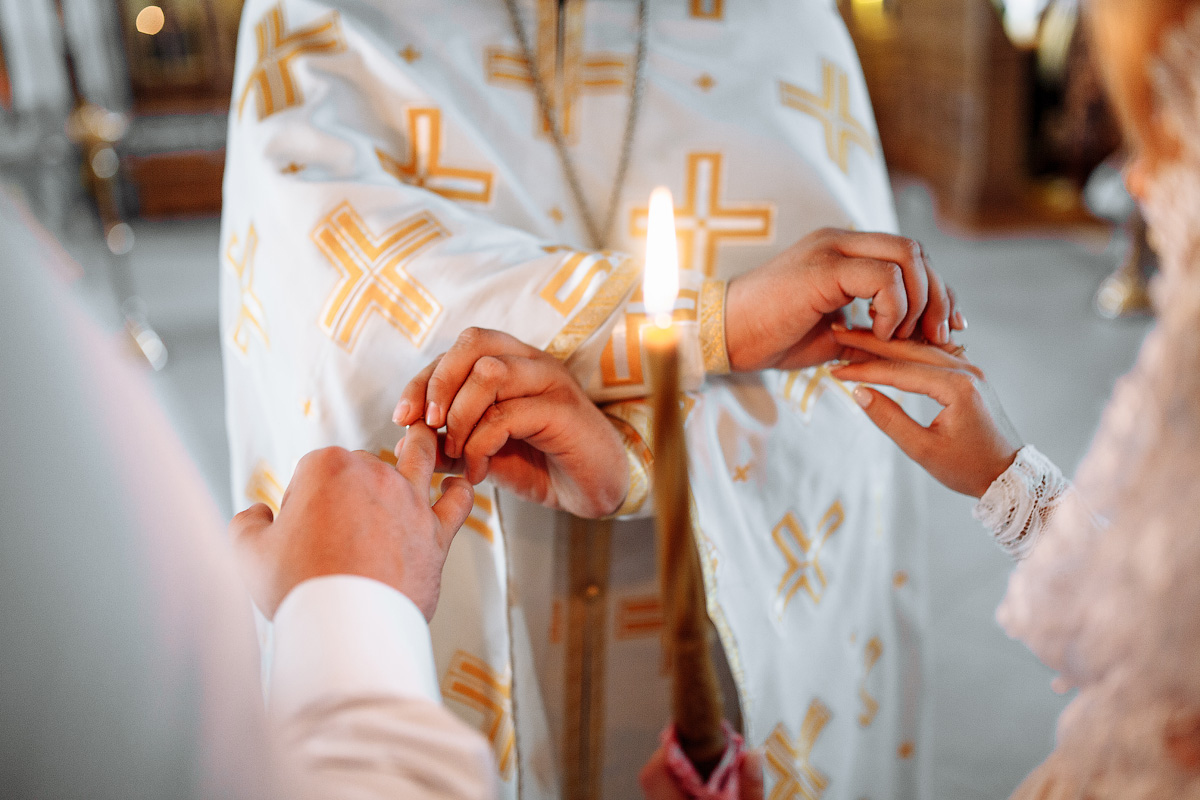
x: 970, y: 442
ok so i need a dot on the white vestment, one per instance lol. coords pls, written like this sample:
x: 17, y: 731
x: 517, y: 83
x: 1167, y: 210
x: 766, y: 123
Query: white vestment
x: 390, y: 182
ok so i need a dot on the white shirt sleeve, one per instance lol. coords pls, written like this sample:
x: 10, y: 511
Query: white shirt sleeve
x: 355, y: 700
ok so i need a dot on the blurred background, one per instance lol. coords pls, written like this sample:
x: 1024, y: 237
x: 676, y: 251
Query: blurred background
x: 1006, y: 164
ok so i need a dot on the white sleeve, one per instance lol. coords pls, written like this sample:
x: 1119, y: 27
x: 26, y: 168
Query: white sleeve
x: 1019, y: 504
x: 355, y: 702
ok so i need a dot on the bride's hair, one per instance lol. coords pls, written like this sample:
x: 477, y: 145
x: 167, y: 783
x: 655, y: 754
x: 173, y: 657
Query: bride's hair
x: 1127, y: 34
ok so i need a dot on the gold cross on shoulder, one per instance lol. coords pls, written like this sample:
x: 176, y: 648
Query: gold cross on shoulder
x: 271, y: 79
x: 565, y: 69
x: 832, y: 110
x: 423, y: 164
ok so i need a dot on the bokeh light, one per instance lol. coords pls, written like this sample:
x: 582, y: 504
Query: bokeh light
x: 150, y: 20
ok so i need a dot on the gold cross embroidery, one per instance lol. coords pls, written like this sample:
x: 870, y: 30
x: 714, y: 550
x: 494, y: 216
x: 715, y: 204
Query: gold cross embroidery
x: 814, y: 387
x: 472, y: 683
x: 565, y: 70
x: 832, y: 110
x: 742, y: 474
x: 567, y: 287
x: 707, y: 9
x: 621, y: 359
x: 871, y: 656
x: 250, y: 317
x: 703, y: 223
x: 423, y: 166
x: 264, y: 487
x: 802, y: 554
x: 410, y: 53
x: 277, y: 46
x: 373, y: 277
x: 790, y: 763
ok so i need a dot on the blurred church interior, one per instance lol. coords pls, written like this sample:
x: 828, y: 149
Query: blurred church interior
x: 1006, y: 166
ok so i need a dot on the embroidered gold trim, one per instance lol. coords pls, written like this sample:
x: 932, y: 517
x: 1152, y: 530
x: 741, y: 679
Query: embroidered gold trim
x: 596, y: 312
x: 712, y: 328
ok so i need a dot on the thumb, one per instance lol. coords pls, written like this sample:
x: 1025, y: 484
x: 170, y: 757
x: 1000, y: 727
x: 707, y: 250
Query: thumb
x: 897, y: 425
x: 247, y: 526
x: 454, y: 506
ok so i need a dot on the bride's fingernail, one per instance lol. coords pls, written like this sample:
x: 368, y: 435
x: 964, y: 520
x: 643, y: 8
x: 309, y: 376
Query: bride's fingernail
x: 840, y: 327
x: 960, y: 320
x: 862, y: 396
x: 943, y: 333
x: 432, y: 415
x: 403, y: 409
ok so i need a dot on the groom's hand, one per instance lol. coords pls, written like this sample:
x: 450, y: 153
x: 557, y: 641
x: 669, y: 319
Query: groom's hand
x: 352, y: 514
x: 779, y: 315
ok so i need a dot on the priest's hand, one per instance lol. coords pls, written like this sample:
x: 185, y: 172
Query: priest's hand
x: 780, y: 314
x: 516, y: 415
x: 969, y: 444
x: 352, y: 514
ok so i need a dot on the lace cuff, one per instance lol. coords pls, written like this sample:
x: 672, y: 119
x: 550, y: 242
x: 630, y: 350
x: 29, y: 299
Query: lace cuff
x: 1019, y: 504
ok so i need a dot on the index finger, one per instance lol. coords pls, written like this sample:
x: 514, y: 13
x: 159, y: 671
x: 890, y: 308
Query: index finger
x: 411, y: 406
x: 416, y: 455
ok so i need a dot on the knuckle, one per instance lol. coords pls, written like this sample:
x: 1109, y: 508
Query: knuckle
x: 329, y: 462
x: 490, y: 370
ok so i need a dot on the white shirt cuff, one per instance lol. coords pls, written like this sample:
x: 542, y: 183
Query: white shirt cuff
x: 349, y: 636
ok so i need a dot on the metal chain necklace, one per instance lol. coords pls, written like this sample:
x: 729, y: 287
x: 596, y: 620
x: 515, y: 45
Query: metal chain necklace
x: 598, y: 233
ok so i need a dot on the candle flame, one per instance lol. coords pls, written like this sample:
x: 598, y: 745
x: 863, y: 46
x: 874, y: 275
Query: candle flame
x: 660, y: 285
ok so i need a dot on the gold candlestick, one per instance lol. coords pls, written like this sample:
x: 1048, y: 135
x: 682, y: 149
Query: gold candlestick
x: 687, y: 641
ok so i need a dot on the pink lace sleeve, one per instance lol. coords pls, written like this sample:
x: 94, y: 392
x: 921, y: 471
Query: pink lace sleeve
x: 1019, y: 504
